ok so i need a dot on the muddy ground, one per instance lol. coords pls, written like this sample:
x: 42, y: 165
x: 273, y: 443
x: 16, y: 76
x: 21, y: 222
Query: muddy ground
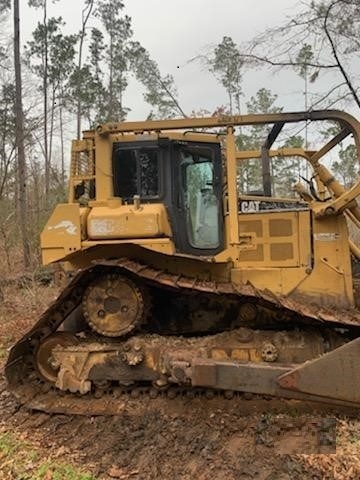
x: 182, y: 438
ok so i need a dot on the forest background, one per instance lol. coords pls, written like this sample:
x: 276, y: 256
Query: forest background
x: 61, y: 79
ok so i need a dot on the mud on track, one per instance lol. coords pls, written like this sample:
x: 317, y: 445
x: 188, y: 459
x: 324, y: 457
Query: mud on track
x: 173, y: 439
x: 192, y: 439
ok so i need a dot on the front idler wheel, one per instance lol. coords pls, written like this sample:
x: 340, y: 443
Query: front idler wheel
x: 44, y: 359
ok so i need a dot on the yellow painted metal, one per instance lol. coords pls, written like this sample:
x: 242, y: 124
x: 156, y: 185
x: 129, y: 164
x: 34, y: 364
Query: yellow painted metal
x: 246, y: 354
x: 61, y: 235
x: 285, y: 252
x: 355, y: 250
x: 274, y: 239
x: 229, y: 120
x: 287, y: 260
x: 188, y: 135
x: 280, y: 152
x: 126, y: 221
x: 82, y: 165
x: 343, y: 199
x: 341, y: 202
x: 231, y: 186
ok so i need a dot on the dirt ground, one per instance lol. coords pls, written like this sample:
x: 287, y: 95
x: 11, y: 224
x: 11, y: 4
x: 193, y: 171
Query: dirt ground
x: 160, y: 438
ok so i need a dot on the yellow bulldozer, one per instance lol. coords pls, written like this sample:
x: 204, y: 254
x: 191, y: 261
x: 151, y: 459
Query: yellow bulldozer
x: 182, y: 282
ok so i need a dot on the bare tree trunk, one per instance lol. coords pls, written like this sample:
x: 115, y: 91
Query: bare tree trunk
x: 45, y: 92
x: 111, y: 66
x: 52, y: 120
x: 20, y: 139
x: 85, y: 17
x: 35, y: 169
x: 61, y: 124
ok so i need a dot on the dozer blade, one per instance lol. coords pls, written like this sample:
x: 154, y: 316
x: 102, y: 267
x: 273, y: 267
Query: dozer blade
x: 333, y: 378
x: 335, y: 375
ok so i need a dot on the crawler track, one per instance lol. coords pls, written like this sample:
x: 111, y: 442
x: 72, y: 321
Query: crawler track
x: 33, y: 392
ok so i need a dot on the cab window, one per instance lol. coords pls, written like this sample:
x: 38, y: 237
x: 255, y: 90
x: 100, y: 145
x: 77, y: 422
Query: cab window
x: 136, y: 172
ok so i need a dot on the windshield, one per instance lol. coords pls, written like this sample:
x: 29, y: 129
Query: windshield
x: 201, y: 205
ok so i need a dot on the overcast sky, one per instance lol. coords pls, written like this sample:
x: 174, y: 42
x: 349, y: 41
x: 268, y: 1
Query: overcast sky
x: 174, y: 31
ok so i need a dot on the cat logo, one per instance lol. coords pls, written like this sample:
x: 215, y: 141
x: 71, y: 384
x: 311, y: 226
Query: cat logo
x: 250, y: 206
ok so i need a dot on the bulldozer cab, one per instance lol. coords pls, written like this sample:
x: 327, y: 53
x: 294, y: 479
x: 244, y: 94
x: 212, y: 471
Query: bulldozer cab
x: 186, y: 176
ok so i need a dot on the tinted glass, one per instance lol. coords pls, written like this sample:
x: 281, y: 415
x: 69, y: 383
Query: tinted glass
x: 201, y: 205
x: 136, y: 172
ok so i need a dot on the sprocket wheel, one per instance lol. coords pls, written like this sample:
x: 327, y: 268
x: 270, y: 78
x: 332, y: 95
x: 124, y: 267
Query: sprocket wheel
x: 113, y: 305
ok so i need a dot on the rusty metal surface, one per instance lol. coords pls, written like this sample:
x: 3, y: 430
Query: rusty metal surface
x: 113, y: 305
x: 31, y: 391
x: 175, y: 281
x: 247, y: 377
x: 260, y: 379
x: 335, y: 374
x: 44, y: 359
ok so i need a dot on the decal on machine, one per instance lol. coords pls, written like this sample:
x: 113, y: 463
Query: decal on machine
x: 69, y: 227
x: 249, y: 206
x: 101, y: 226
x: 254, y: 206
x: 326, y: 237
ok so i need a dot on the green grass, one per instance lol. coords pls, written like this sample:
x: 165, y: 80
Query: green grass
x: 18, y: 460
x: 60, y: 472
x: 354, y: 438
x: 3, y: 352
x: 7, y: 445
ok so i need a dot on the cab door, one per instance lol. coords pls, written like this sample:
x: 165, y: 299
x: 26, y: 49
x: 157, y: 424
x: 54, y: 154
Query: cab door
x: 197, y: 181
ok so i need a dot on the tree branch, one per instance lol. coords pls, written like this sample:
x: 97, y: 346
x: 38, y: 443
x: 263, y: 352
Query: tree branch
x: 324, y: 97
x: 334, y: 52
x: 176, y: 103
x: 289, y: 63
